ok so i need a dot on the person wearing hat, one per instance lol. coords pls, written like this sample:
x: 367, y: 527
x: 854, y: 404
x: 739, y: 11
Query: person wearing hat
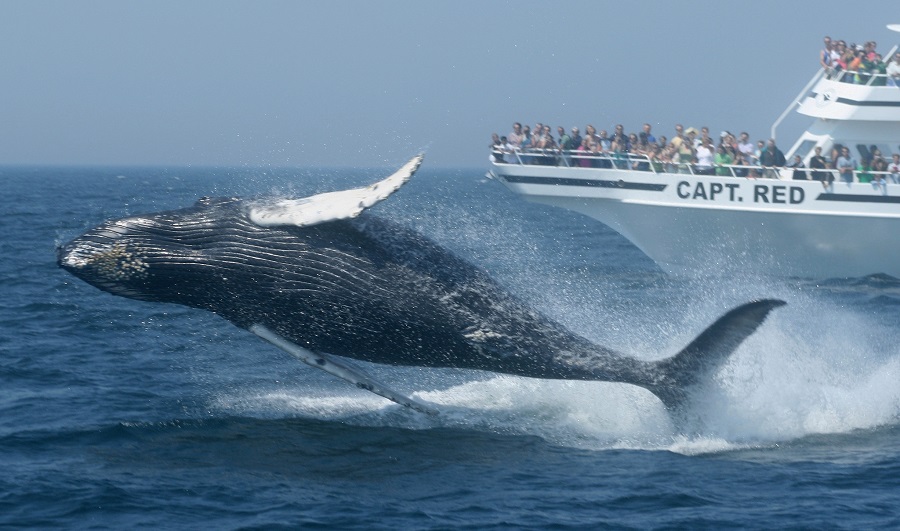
x: 691, y: 136
x: 686, y: 151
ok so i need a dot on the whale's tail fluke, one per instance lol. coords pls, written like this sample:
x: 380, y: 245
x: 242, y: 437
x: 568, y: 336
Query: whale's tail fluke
x: 708, y: 352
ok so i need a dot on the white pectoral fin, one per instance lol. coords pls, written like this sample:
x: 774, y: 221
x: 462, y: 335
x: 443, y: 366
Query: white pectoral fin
x: 332, y: 206
x: 329, y: 364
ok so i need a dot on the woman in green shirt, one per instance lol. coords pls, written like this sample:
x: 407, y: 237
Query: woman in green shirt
x: 723, y: 157
x: 862, y: 172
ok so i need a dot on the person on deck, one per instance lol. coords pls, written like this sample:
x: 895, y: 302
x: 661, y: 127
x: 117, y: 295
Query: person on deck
x: 864, y: 171
x: 771, y: 158
x: 650, y: 138
x: 515, y: 137
x: 825, y: 54
x: 817, y: 163
x: 880, y: 172
x: 705, y: 157
x: 745, y: 146
x: 799, y: 173
x: 679, y: 136
x: 893, y: 71
x: 723, y: 159
x: 846, y: 165
x: 894, y: 168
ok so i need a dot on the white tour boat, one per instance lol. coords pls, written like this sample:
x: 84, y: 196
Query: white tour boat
x: 691, y: 223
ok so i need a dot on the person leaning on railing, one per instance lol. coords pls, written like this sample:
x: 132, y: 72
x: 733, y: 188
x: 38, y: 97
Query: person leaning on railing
x: 845, y: 165
x: 799, y: 173
x: 584, y: 151
x: 656, y: 158
x: 879, y: 70
x: 817, y: 163
x: 893, y: 71
x: 740, y: 165
x: 866, y: 173
x: 771, y: 158
x: 723, y: 159
x: 879, y: 170
x: 894, y: 168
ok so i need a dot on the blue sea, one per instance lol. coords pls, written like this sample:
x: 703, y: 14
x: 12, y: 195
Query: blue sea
x: 117, y: 413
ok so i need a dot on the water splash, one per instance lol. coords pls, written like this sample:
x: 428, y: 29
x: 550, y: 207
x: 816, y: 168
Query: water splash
x: 827, y: 363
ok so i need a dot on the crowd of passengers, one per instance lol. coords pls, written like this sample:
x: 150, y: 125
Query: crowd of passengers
x: 688, y: 151
x: 692, y: 151
x: 859, y: 63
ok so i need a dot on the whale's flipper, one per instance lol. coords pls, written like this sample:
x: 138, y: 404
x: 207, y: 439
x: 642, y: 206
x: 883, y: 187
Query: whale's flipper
x: 340, y: 369
x: 706, y: 354
x: 332, y: 205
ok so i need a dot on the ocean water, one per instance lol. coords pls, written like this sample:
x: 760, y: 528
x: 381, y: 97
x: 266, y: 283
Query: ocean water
x: 117, y: 413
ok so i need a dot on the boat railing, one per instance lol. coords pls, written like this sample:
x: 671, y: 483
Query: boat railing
x: 630, y: 162
x: 858, y: 77
x: 621, y: 162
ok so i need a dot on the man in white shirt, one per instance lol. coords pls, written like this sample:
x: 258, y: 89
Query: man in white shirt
x: 705, y: 157
x: 745, y: 146
x: 894, y: 168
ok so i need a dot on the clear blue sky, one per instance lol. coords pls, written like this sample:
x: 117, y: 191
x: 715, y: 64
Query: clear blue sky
x: 339, y: 83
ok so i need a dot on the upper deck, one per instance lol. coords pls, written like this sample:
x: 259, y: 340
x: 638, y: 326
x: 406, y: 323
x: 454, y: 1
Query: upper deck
x: 854, y: 108
x: 833, y: 98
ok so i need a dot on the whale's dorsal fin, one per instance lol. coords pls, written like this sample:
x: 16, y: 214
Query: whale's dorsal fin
x: 332, y: 206
x: 340, y: 369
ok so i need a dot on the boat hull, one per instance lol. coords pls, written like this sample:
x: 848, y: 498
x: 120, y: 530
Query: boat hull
x: 692, y: 224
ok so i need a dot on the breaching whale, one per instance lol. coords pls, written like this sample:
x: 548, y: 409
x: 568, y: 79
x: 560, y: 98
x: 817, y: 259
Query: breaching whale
x: 314, y: 278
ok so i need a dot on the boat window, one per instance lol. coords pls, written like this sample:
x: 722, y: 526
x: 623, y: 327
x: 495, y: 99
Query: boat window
x: 805, y: 147
x: 885, y: 150
x: 866, y: 151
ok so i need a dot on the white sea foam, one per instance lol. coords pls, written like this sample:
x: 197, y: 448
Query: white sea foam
x: 817, y: 366
x: 813, y: 368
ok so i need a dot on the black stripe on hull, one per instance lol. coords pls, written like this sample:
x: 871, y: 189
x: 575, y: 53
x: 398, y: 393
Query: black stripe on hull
x: 859, y: 198
x: 592, y: 183
x: 847, y: 101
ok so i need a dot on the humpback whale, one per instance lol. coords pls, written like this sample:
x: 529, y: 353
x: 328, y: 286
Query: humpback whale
x: 319, y: 280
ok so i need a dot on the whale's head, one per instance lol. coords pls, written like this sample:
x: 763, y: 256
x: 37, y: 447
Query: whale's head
x: 226, y: 255
x: 160, y: 257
